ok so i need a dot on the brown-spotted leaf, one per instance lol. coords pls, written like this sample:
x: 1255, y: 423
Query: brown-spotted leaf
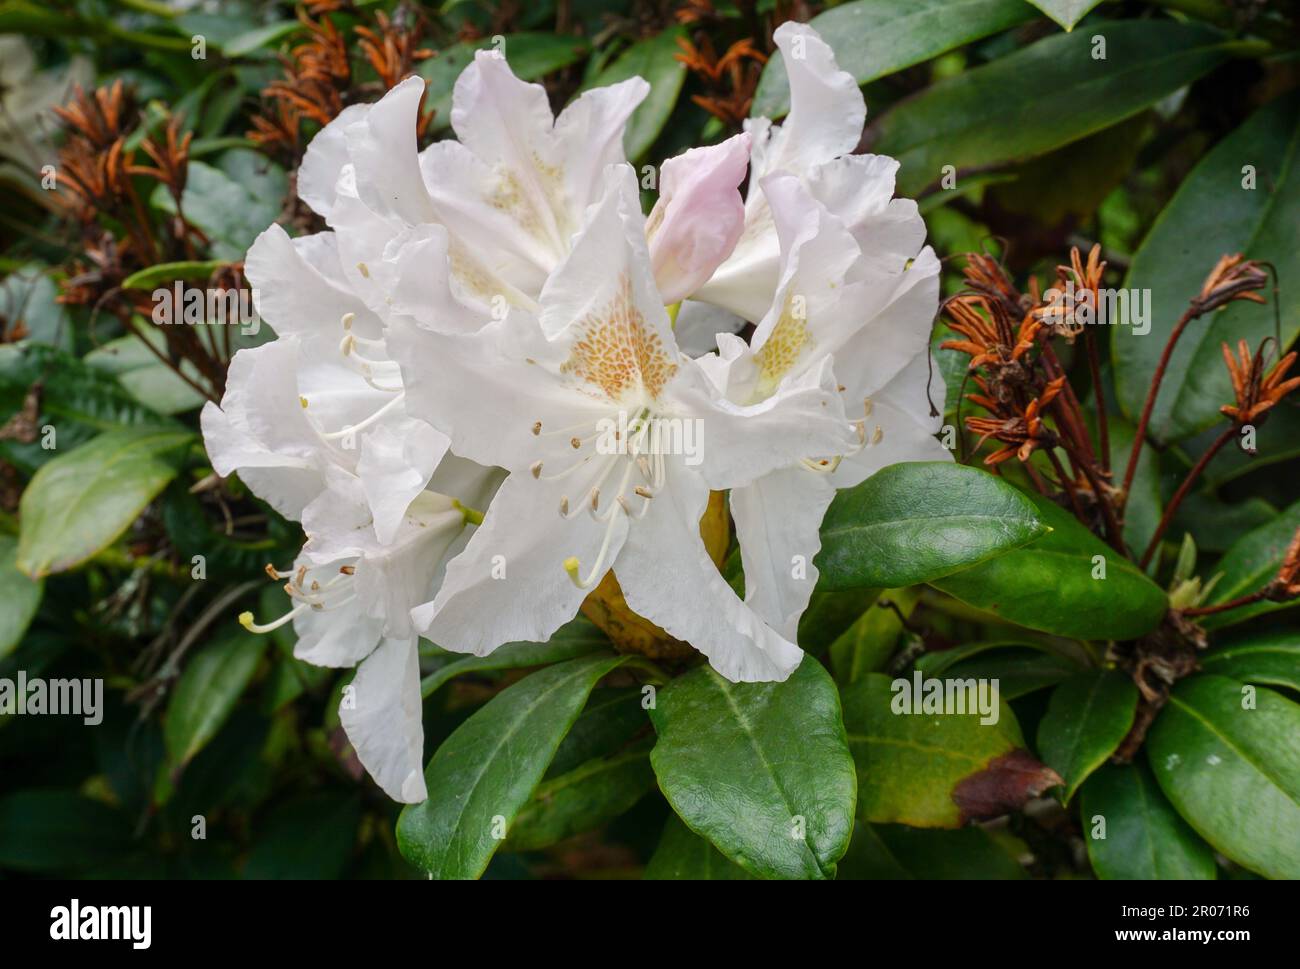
x: 1004, y: 785
x: 911, y: 761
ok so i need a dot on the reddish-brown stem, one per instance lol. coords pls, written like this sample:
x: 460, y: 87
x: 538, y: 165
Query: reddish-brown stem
x: 1157, y: 378
x: 1182, y: 491
x: 1231, y: 604
x: 1114, y: 532
x: 1067, y: 403
x: 1036, y: 478
x: 1103, y: 427
x: 166, y: 361
x: 1067, y: 484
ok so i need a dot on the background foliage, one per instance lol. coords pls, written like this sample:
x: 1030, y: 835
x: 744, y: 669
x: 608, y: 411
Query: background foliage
x: 949, y: 570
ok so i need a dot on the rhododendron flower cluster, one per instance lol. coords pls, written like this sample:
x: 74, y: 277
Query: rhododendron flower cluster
x: 486, y: 390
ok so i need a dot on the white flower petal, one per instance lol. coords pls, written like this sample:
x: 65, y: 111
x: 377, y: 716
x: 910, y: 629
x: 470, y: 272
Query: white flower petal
x: 323, y: 162
x: 741, y: 443
x: 394, y: 466
x: 667, y: 576
x: 510, y: 583
x: 298, y: 286
x: 382, y: 145
x: 383, y: 719
x: 778, y: 520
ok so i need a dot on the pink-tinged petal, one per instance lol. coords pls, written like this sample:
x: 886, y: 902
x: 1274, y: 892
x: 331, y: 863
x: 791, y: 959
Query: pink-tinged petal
x: 699, y: 216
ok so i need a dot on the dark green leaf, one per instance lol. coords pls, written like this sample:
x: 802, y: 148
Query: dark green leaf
x: 981, y: 117
x: 581, y: 799
x: 577, y: 638
x: 895, y: 852
x: 866, y: 646
x: 59, y: 830
x: 917, y: 521
x: 1086, y: 719
x: 80, y: 502
x: 1225, y: 756
x: 211, y: 684
x: 1271, y: 658
x: 1067, y: 13
x: 484, y: 772
x: 311, y: 837
x: 1211, y: 215
x: 761, y: 769
x: 1049, y: 585
x: 873, y: 38
x: 1018, y: 671
x: 683, y: 855
x: 1251, y: 564
x: 1144, y: 838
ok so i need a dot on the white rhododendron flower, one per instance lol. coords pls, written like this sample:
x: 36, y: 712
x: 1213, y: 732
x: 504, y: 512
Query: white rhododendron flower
x: 832, y: 305
x: 827, y: 113
x: 593, y: 410
x: 498, y: 306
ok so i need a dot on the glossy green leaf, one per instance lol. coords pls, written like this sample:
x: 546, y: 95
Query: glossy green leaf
x: 873, y: 38
x: 59, y: 830
x: 1225, y: 756
x: 1133, y: 832
x: 574, y: 639
x: 655, y: 60
x: 581, y: 799
x: 1272, y: 658
x: 1087, y: 717
x: 761, y: 769
x: 912, y: 763
x: 1211, y: 215
x: 80, y: 502
x: 483, y: 774
x: 1050, y: 585
x: 917, y: 521
x: 981, y: 117
x: 612, y: 717
x: 1248, y: 566
x: 21, y: 598
x: 209, y: 687
x: 682, y: 855
x: 1067, y: 13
